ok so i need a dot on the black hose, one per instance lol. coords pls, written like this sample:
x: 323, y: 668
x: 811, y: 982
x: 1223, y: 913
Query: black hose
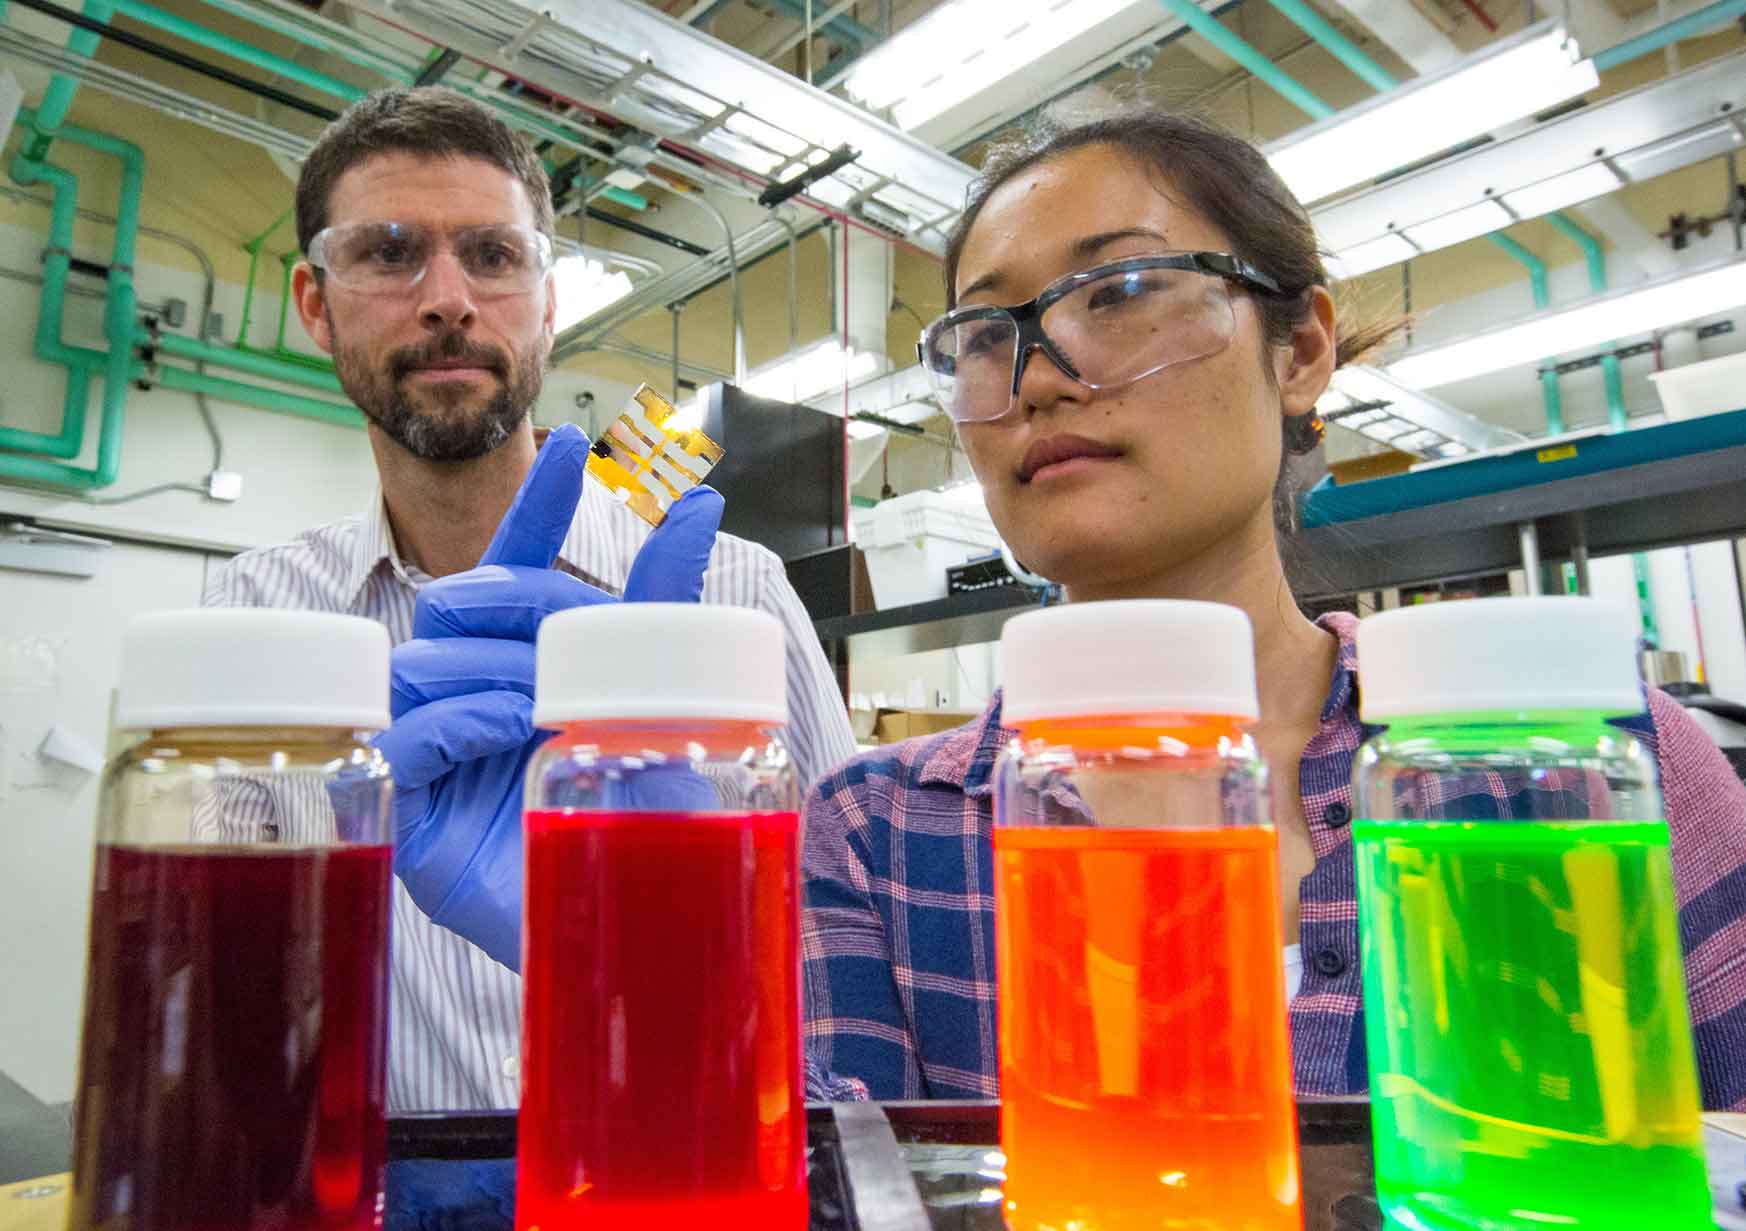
x: 169, y: 54
x: 635, y: 228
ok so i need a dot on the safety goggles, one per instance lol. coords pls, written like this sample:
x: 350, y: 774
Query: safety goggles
x: 389, y: 257
x: 1104, y: 327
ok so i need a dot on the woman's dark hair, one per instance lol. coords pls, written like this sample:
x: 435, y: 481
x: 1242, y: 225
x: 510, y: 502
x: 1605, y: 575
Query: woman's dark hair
x: 1229, y: 182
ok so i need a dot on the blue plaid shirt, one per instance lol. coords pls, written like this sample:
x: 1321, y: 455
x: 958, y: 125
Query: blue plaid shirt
x: 898, y: 925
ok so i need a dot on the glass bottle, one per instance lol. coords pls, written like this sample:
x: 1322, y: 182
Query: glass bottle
x: 1530, y: 1048
x: 661, y: 1070
x: 232, y: 1062
x: 1145, y: 1071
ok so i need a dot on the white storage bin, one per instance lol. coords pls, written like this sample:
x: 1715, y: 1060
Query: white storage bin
x: 909, y: 541
x: 1703, y: 388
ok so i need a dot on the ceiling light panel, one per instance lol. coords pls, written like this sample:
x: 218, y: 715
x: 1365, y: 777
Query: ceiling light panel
x: 1509, y: 81
x: 1372, y: 254
x: 1614, y: 129
x: 1571, y: 188
x: 1594, y: 322
x: 964, y: 47
x: 1710, y: 142
x: 1467, y: 223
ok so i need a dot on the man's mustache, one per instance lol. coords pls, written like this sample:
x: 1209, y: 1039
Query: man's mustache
x: 450, y: 348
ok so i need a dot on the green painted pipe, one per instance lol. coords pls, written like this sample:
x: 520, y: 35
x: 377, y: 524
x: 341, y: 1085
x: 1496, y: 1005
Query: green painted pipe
x: 253, y: 248
x: 298, y: 33
x: 1597, y: 281
x: 1337, y: 45
x: 1549, y: 392
x: 236, y: 49
x: 635, y: 200
x: 115, y: 366
x: 46, y: 344
x: 1613, y: 379
x: 253, y: 395
x: 51, y: 113
x: 1265, y: 71
x: 252, y: 362
x: 1691, y: 24
x: 844, y: 31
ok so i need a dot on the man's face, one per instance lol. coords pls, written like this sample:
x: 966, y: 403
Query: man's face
x: 445, y: 372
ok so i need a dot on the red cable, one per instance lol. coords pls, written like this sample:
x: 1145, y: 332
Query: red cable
x: 1472, y: 6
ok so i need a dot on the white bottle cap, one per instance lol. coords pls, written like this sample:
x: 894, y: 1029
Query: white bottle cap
x: 660, y: 660
x: 1499, y: 654
x: 1129, y: 656
x: 253, y: 667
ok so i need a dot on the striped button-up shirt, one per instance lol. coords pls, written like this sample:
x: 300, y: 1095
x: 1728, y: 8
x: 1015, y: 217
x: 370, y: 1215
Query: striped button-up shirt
x: 455, y: 1014
x: 898, y: 926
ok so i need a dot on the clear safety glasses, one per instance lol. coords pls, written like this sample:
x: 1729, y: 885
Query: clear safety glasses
x: 1104, y: 327
x: 389, y: 257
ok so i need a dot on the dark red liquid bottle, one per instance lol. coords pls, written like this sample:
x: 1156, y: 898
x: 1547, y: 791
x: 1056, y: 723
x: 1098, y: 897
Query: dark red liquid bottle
x: 233, y: 1056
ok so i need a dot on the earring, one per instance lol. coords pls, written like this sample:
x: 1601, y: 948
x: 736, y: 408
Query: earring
x: 1304, y: 432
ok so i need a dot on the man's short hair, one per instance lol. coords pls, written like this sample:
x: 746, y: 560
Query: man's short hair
x: 430, y: 120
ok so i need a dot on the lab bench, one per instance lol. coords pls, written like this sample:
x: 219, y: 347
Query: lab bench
x: 897, y: 1166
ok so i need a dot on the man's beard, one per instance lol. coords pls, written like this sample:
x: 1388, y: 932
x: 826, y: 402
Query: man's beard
x: 437, y: 425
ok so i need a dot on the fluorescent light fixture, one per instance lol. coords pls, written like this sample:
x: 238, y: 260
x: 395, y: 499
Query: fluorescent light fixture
x: 1681, y: 151
x: 1573, y: 187
x: 1409, y: 414
x: 860, y: 429
x: 584, y: 286
x: 962, y: 48
x: 811, y: 370
x: 1618, y: 314
x: 1515, y: 78
x: 1372, y: 254
x: 1481, y: 218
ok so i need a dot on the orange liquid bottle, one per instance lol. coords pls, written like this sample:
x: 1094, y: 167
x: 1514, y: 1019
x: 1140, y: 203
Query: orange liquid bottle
x: 1144, y: 1063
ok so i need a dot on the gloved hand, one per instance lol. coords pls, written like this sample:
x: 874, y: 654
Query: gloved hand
x: 462, y: 692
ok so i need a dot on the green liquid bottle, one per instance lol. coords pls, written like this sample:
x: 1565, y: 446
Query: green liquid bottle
x: 1530, y: 1050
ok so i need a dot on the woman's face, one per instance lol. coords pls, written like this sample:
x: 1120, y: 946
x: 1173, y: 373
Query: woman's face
x: 1174, y: 465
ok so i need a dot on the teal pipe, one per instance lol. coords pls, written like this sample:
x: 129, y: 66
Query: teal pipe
x: 236, y: 49
x: 1549, y: 392
x: 843, y: 30
x: 51, y: 113
x: 46, y: 344
x: 634, y: 200
x: 116, y: 366
x: 1615, y: 386
x: 1265, y: 71
x: 253, y: 395
x: 1661, y: 36
x: 1337, y: 45
x: 1597, y: 281
x: 254, y: 363
x: 298, y: 33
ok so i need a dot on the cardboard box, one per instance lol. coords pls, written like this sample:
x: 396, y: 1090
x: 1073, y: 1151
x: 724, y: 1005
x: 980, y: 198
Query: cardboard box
x: 1375, y: 466
x: 893, y: 725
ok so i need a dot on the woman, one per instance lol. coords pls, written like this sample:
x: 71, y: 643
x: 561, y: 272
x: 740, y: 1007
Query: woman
x: 1165, y: 258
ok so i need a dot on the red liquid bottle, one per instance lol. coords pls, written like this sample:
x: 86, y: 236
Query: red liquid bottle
x: 1145, y: 1073
x: 661, y: 1072
x: 233, y: 1056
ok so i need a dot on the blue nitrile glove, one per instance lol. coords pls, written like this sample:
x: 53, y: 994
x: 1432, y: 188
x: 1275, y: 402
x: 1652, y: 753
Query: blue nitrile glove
x: 462, y: 692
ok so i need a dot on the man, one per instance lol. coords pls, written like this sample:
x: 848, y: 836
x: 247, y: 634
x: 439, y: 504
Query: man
x: 426, y: 224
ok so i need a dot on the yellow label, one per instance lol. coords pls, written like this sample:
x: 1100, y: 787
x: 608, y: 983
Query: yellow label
x: 1557, y: 453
